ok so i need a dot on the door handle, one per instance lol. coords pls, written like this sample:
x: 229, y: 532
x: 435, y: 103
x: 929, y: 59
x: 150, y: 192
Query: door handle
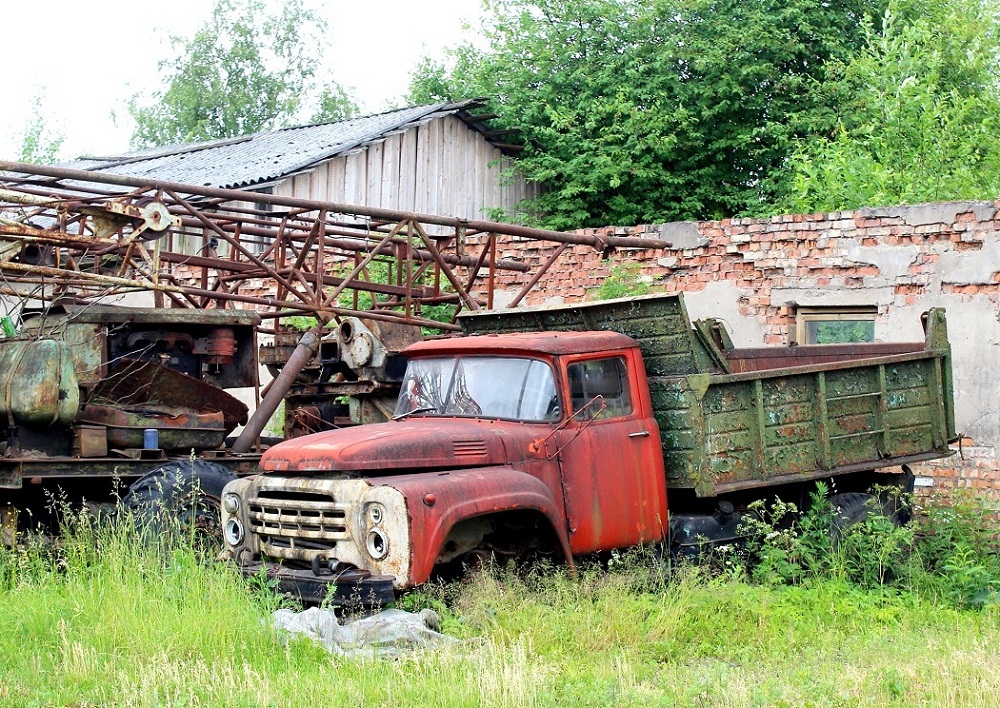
x: 639, y: 434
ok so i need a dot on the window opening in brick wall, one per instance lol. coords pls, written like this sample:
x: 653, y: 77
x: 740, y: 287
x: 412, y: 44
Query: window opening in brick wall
x: 835, y: 325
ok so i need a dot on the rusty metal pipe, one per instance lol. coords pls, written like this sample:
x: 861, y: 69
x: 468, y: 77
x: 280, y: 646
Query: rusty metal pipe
x: 538, y: 276
x: 233, y: 242
x: 303, y: 354
x: 23, y: 198
x: 380, y: 315
x: 455, y: 282
x: 55, y: 275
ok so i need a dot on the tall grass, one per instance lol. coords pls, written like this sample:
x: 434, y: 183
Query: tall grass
x: 950, y: 552
x: 105, y: 619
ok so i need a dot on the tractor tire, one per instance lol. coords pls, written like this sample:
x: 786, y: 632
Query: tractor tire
x: 856, y: 507
x: 180, y: 497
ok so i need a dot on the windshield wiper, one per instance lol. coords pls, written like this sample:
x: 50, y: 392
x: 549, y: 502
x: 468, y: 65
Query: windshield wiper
x: 421, y: 409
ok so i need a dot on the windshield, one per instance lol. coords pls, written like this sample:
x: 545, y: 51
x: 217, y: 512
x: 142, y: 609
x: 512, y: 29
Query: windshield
x: 480, y: 386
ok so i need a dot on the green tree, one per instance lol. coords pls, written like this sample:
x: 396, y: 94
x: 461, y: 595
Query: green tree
x: 635, y: 111
x: 919, y: 114
x: 334, y: 104
x: 753, y: 83
x: 430, y: 82
x: 38, y: 144
x: 245, y: 70
x: 624, y: 280
x: 554, y: 70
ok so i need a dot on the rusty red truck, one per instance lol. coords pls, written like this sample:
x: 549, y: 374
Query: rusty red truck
x: 576, y: 429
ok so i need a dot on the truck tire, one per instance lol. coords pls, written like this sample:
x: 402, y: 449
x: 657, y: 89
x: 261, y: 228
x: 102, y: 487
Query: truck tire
x: 851, y: 508
x: 180, y: 496
x: 856, y: 507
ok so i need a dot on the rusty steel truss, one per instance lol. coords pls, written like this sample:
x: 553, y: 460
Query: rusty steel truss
x: 87, y: 236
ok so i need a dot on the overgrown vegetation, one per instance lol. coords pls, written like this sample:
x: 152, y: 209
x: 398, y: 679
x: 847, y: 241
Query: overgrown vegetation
x: 624, y: 280
x: 950, y: 553
x: 916, y: 117
x: 39, y: 144
x: 639, y: 112
x: 105, y: 619
x: 642, y: 112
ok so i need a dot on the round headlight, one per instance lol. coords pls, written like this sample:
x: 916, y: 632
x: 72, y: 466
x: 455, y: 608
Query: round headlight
x: 231, y: 503
x: 376, y: 512
x: 378, y: 545
x: 234, y: 532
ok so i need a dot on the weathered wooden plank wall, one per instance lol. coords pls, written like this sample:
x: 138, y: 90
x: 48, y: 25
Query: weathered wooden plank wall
x: 440, y: 167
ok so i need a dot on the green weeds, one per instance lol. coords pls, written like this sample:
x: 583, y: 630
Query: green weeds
x: 624, y: 280
x: 949, y: 552
x: 103, y: 618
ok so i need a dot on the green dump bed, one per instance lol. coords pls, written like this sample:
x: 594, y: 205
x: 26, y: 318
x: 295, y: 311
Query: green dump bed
x: 734, y: 419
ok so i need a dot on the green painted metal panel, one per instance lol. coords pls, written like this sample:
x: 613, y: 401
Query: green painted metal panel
x: 38, y: 381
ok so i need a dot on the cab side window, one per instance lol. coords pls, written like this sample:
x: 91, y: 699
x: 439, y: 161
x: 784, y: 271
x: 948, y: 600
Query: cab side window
x: 607, y: 378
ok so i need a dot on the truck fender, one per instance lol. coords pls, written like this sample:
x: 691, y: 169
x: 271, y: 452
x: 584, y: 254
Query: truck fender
x: 436, y: 503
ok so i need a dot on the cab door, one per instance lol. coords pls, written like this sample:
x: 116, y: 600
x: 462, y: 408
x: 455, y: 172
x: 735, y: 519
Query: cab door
x: 609, y: 455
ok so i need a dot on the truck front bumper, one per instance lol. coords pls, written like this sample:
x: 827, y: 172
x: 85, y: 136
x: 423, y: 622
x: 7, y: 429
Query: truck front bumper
x: 347, y: 588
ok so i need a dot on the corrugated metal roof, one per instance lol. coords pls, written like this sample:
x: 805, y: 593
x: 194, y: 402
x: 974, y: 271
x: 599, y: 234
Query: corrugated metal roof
x: 264, y: 157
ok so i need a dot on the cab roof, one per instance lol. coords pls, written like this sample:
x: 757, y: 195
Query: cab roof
x: 550, y: 343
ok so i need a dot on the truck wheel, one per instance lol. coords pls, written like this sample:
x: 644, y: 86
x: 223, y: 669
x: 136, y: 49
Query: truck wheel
x: 181, y: 496
x: 851, y: 508
x: 856, y: 507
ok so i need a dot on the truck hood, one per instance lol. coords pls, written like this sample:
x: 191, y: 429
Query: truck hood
x: 420, y: 443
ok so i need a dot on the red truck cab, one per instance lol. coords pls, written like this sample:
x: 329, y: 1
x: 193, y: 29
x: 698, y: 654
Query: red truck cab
x: 500, y: 444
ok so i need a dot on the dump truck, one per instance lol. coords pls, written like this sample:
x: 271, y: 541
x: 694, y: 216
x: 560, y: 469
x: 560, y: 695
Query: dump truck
x: 565, y: 431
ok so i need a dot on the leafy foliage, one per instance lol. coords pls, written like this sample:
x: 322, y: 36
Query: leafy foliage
x: 245, y: 70
x: 960, y: 549
x: 38, y: 144
x: 623, y: 281
x: 951, y: 551
x: 842, y: 331
x: 919, y: 114
x: 334, y: 104
x: 638, y: 112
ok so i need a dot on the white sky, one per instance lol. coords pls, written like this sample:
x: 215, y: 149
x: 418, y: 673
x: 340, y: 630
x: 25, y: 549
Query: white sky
x: 86, y: 59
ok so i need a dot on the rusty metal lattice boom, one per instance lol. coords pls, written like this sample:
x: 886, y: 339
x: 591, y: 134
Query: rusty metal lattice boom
x: 86, y: 236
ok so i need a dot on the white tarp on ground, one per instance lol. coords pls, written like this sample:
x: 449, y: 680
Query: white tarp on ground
x: 387, y: 633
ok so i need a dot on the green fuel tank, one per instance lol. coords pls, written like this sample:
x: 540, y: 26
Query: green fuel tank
x: 38, y: 385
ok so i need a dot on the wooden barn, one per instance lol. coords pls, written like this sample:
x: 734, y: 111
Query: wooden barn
x: 434, y: 159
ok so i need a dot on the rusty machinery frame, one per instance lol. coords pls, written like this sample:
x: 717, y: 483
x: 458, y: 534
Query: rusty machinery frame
x: 67, y: 233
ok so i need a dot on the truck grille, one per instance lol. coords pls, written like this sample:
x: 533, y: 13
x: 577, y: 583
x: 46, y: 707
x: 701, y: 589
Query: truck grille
x: 297, y: 520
